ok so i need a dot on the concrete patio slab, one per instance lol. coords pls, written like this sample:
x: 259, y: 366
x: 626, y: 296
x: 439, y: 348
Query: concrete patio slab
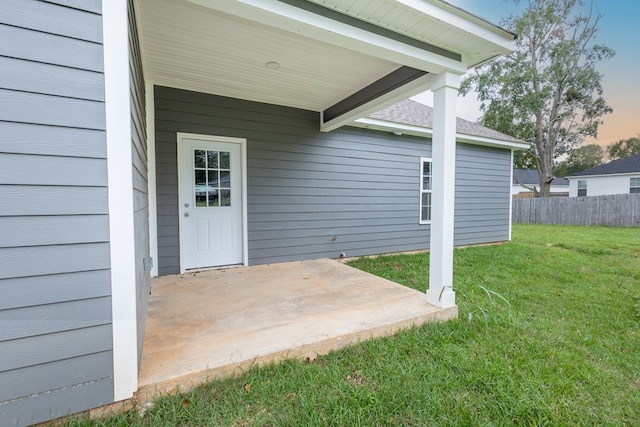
x: 209, y: 324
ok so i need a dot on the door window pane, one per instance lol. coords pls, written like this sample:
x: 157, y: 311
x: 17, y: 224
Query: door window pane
x: 225, y: 179
x: 213, y: 179
x: 212, y: 159
x: 201, y: 187
x: 199, y: 158
x: 213, y: 198
x: 225, y: 198
x: 211, y: 174
x: 224, y: 160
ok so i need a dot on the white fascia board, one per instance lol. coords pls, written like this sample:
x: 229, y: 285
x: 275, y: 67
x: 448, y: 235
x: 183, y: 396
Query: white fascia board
x: 406, y: 91
x: 120, y: 191
x: 605, y: 175
x: 465, y: 22
x: 491, y: 142
x: 386, y: 126
x: 325, y: 30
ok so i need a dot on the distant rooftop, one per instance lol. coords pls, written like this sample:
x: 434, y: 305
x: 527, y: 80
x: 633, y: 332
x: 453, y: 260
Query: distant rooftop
x: 413, y: 113
x: 532, y: 177
x: 626, y: 165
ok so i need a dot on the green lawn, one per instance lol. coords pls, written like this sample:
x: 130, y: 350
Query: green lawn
x: 548, y: 334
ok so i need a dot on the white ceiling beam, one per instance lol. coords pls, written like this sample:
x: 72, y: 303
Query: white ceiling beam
x: 410, y: 89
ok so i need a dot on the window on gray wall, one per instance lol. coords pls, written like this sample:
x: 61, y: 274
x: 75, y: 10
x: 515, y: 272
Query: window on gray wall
x: 635, y: 185
x: 582, y: 188
x: 425, y: 190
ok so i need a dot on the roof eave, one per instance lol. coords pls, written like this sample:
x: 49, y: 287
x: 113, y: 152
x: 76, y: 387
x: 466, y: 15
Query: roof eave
x: 603, y: 175
x: 386, y: 126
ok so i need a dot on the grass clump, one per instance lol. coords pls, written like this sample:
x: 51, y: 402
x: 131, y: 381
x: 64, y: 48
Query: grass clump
x: 548, y: 334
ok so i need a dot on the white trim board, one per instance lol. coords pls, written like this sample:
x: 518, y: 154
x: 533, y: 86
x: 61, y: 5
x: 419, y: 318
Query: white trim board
x: 121, y: 211
x: 151, y: 176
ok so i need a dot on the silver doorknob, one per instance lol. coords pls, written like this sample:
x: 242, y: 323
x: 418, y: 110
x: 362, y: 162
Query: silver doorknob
x: 186, y: 214
x: 186, y: 205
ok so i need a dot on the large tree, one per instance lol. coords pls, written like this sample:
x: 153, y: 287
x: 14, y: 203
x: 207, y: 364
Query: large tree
x: 581, y: 158
x: 547, y: 92
x: 624, y: 148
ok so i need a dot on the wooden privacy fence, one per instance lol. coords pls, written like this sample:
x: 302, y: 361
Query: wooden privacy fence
x: 618, y: 210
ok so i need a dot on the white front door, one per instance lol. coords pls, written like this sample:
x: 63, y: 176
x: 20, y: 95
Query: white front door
x: 211, y: 201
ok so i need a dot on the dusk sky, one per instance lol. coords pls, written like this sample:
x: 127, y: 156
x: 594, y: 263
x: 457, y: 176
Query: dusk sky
x: 619, y: 30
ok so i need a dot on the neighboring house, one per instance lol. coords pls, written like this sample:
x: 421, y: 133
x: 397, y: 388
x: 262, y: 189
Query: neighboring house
x: 150, y: 137
x: 617, y: 177
x: 525, y: 179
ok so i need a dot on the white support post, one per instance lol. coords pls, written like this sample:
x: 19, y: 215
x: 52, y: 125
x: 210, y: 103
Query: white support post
x: 121, y: 211
x: 445, y: 91
x: 151, y: 176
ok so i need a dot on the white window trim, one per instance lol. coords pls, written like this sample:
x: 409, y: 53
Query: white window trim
x: 631, y: 186
x: 422, y: 160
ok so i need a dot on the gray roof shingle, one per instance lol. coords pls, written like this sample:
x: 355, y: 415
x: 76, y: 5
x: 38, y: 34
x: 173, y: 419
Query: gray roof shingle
x: 532, y: 177
x: 410, y: 112
x: 626, y: 165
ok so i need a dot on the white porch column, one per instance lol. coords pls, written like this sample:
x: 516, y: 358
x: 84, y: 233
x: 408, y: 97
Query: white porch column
x: 445, y: 91
x: 120, y: 191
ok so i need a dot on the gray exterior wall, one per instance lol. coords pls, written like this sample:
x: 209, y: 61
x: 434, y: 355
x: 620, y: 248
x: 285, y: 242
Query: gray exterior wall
x: 140, y: 177
x: 55, y: 305
x: 313, y: 194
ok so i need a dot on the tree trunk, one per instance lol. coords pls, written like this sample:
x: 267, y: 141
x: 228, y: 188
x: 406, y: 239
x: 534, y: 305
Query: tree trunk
x: 546, y: 177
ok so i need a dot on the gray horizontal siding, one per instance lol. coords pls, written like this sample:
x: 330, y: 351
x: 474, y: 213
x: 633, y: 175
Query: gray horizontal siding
x: 45, y: 230
x: 482, y: 195
x: 52, y: 200
x: 49, y: 18
x: 18, y: 74
x: 26, y: 107
x: 313, y: 194
x: 56, y: 403
x: 53, y: 259
x: 30, y: 380
x: 31, y: 138
x: 23, y: 169
x: 49, y: 289
x: 51, y: 318
x: 55, y: 310
x: 49, y: 48
x: 19, y: 353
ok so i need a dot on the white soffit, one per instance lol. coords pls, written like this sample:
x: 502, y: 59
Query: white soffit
x: 195, y: 48
x: 431, y: 21
x: 222, y: 46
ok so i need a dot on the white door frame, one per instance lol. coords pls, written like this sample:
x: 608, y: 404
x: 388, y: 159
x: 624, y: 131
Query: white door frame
x: 243, y: 149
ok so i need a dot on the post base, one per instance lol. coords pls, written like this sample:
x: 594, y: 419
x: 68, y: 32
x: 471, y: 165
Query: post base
x: 441, y: 298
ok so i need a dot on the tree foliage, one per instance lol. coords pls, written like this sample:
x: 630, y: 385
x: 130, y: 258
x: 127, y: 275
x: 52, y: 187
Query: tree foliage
x: 585, y: 157
x: 624, y: 148
x: 548, y: 91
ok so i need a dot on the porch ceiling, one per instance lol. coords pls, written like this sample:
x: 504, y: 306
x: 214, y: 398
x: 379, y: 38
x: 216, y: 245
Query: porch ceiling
x: 324, y: 54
